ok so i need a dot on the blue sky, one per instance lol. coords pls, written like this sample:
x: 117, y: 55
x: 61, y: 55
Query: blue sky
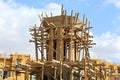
x: 16, y: 16
x: 102, y: 14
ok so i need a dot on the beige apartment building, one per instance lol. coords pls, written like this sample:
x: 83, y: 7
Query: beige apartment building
x: 8, y: 64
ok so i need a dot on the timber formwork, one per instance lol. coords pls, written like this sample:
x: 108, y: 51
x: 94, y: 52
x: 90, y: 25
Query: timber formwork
x: 63, y: 44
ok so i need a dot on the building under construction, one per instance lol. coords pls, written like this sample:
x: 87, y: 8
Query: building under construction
x: 16, y: 67
x: 62, y: 52
x: 65, y: 41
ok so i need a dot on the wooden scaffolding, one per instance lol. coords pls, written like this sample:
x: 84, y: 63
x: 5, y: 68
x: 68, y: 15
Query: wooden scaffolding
x: 64, y: 41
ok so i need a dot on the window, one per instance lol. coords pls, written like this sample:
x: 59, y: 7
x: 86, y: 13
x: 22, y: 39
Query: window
x: 118, y: 69
x: 6, y: 74
x: 1, y: 73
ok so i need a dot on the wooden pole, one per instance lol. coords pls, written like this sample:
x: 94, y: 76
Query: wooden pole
x: 26, y: 74
x: 42, y: 43
x: 62, y: 11
x: 85, y: 76
x: 42, y: 73
x: 71, y: 74
x: 16, y: 75
x: 55, y: 73
x: 35, y: 36
x: 31, y: 77
x: 51, y: 45
x: 60, y: 69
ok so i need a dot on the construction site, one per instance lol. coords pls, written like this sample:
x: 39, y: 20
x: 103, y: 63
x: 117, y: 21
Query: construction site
x: 62, y: 50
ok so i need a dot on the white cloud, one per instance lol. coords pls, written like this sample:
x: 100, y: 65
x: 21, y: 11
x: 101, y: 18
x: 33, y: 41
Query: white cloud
x: 107, y: 47
x: 116, y: 3
x: 15, y: 20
